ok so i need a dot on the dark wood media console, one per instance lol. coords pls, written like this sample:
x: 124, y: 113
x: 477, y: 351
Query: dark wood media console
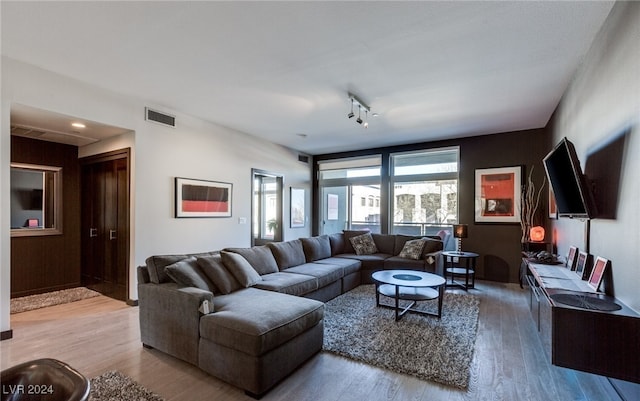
x: 599, y: 336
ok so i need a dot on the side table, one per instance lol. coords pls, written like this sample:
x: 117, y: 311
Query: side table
x: 466, y: 268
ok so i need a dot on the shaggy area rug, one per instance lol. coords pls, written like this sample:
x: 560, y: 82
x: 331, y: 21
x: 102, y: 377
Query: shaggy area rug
x: 429, y: 348
x: 114, y: 386
x: 38, y: 301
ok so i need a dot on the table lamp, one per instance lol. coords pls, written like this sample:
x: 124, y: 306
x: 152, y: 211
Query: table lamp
x: 536, y: 234
x: 460, y: 231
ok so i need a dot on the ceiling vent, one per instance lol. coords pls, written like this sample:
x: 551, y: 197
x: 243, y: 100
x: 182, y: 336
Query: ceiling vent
x: 52, y: 136
x: 160, y: 118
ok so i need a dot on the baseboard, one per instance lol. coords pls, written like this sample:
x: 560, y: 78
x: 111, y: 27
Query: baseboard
x: 132, y: 302
x: 6, y: 335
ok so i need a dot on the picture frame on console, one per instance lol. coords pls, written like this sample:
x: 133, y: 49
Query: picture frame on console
x: 597, y: 273
x: 497, y: 195
x: 572, y: 258
x: 583, y: 264
x: 202, y: 198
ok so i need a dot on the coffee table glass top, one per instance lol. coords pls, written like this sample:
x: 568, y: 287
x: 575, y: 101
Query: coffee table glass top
x: 408, y: 278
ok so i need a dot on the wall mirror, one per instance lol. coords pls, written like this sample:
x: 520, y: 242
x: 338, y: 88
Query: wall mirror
x: 36, y: 200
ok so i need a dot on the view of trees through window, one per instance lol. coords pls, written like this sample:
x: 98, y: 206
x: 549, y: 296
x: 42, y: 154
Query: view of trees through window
x: 421, y: 205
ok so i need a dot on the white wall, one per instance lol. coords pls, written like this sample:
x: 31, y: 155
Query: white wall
x: 603, y: 100
x: 194, y: 149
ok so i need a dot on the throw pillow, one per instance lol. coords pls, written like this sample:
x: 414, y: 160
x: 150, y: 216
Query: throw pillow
x: 412, y: 249
x: 288, y: 253
x: 156, y: 265
x: 186, y: 273
x: 259, y: 257
x: 431, y: 245
x: 240, y: 268
x: 348, y: 234
x: 214, y: 269
x: 316, y: 248
x: 363, y: 244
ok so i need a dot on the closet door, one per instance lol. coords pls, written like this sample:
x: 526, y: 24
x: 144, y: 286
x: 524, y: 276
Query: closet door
x: 105, y: 225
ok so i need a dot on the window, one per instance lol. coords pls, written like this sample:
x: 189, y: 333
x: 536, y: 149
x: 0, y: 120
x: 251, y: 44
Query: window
x: 425, y: 190
x: 418, y: 195
x: 266, y: 218
x: 350, y: 194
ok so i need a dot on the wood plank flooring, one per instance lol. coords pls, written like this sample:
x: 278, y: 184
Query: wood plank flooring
x: 100, y: 334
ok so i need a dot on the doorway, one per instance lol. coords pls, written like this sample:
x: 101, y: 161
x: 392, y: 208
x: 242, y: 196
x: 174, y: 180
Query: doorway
x: 105, y: 193
x: 266, y: 211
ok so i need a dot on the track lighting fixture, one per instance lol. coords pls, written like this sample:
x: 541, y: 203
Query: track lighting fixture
x: 361, y: 106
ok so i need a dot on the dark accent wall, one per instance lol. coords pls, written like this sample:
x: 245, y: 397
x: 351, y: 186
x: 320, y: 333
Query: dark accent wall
x: 52, y: 262
x: 499, y: 245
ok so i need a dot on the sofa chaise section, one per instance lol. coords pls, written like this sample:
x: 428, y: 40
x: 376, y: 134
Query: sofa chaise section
x: 257, y: 337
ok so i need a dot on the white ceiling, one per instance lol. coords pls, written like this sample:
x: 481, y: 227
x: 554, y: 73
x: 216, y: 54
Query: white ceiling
x: 432, y: 70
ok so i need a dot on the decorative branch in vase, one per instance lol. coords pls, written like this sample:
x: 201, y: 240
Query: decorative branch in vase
x: 529, y: 205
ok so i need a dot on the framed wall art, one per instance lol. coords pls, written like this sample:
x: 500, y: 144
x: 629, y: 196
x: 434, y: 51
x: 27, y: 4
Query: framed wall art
x: 201, y: 198
x: 297, y: 207
x: 498, y: 197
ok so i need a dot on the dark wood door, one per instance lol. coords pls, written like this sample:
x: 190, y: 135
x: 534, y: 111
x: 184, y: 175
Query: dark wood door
x: 105, y: 224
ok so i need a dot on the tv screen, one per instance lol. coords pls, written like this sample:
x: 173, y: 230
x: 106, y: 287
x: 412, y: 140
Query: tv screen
x: 573, y: 196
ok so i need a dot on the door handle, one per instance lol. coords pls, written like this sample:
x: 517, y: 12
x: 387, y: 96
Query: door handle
x: 93, y: 232
x: 112, y: 234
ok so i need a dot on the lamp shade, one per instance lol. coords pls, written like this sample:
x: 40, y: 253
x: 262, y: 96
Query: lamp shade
x: 536, y: 233
x: 460, y: 231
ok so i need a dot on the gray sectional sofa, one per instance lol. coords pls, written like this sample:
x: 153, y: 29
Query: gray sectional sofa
x: 251, y: 316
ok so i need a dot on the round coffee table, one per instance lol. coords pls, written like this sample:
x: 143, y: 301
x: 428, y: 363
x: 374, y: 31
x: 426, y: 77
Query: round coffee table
x: 409, y: 285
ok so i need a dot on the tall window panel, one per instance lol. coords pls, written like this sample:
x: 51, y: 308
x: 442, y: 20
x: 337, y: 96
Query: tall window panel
x: 424, y: 191
x: 350, y: 194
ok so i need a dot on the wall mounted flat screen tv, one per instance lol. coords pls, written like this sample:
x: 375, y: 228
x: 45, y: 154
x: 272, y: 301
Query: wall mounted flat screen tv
x: 573, y: 196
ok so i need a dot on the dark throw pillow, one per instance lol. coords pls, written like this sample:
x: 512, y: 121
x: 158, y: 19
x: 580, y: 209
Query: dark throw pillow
x: 215, y: 270
x: 246, y: 275
x: 186, y: 273
x: 364, y: 244
x: 412, y: 249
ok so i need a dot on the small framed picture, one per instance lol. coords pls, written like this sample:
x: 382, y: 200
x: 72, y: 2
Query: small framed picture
x: 599, y: 267
x: 572, y: 257
x: 297, y: 207
x: 583, y: 265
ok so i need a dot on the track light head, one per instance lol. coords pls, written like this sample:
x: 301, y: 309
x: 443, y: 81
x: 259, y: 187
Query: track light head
x: 361, y: 106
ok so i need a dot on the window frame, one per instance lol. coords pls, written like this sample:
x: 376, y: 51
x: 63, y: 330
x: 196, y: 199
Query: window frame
x: 398, y: 180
